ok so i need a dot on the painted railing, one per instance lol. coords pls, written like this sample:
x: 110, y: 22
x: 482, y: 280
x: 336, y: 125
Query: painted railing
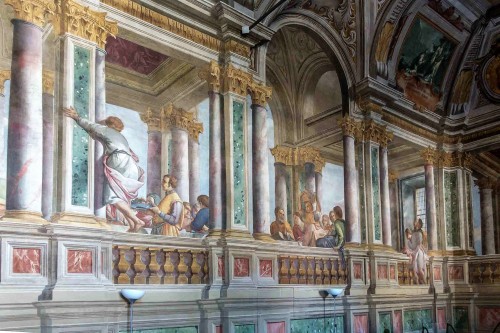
x: 406, y: 275
x: 484, y: 270
x: 311, y: 270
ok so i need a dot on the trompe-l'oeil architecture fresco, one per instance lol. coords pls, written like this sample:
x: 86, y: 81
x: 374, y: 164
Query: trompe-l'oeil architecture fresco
x: 253, y: 166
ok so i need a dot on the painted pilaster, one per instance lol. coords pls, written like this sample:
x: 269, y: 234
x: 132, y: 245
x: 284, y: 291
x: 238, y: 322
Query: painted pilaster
x: 385, y: 200
x: 48, y: 145
x: 25, y: 132
x: 430, y: 158
x: 154, y: 175
x: 349, y: 128
x: 487, y: 224
x: 100, y: 114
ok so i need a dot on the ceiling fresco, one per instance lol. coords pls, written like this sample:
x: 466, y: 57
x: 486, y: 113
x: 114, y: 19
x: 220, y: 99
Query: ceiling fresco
x: 131, y: 56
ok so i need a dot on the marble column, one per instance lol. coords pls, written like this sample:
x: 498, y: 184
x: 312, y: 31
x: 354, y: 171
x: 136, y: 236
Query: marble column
x: 4, y: 76
x: 215, y: 185
x: 310, y: 178
x: 318, y: 181
x: 180, y: 161
x: 487, y: 223
x: 25, y: 130
x: 194, y: 167
x: 280, y: 186
x: 100, y: 114
x: 154, y: 176
x: 48, y: 145
x: 351, y: 199
x: 430, y: 157
x: 385, y: 200
x: 260, y: 172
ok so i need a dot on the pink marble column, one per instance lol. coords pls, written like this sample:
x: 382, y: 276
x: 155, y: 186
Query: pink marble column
x: 319, y: 190
x: 216, y: 163
x: 260, y: 172
x: 48, y: 154
x: 100, y: 114
x: 25, y: 132
x: 3, y: 147
x: 385, y: 200
x: 430, y: 207
x: 310, y: 177
x: 487, y: 223
x: 351, y: 191
x: 280, y: 186
x: 154, y: 176
x: 194, y: 169
x: 180, y: 161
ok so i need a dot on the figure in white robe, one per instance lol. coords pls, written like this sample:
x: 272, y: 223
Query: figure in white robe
x: 124, y: 176
x: 417, y: 252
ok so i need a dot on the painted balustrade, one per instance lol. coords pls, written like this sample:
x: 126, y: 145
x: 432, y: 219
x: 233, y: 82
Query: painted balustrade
x: 484, y: 270
x: 311, y: 270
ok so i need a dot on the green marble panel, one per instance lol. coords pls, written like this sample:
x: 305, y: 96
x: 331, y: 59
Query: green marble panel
x: 80, y: 149
x: 361, y: 185
x: 317, y: 325
x: 189, y: 329
x: 239, y: 184
x: 384, y: 322
x: 451, y: 208
x: 461, y: 319
x: 376, y: 192
x: 248, y: 328
x: 413, y: 320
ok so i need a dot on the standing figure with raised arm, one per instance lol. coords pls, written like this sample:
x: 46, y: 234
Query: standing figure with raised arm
x: 124, y: 177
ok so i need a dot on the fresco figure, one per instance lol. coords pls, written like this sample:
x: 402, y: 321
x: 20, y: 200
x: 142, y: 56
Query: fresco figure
x: 298, y: 228
x: 416, y: 251
x: 335, y: 237
x: 281, y: 229
x: 200, y: 222
x: 169, y: 214
x: 124, y: 176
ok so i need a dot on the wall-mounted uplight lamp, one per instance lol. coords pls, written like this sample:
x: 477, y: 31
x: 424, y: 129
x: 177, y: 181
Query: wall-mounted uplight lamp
x: 132, y: 295
x: 334, y: 292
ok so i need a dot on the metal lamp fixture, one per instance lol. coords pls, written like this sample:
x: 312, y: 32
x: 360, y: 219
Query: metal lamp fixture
x: 334, y: 292
x: 132, y: 295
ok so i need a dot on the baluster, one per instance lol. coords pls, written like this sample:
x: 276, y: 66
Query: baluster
x: 283, y: 272
x: 187, y: 259
x: 310, y: 270
x: 342, y: 273
x: 175, y: 259
x: 169, y: 268
x: 140, y: 266
x: 487, y: 276
x: 116, y: 260
x: 335, y: 271
x: 302, y: 270
x: 327, y: 275
x: 161, y: 259
x: 129, y: 256
x: 196, y: 268
x: 400, y: 273
x: 206, y: 276
x: 319, y: 270
x: 154, y: 267
x: 294, y: 279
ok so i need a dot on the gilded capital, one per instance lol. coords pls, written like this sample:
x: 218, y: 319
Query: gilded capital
x: 152, y: 120
x: 372, y: 131
x: 429, y: 155
x: 236, y: 80
x: 485, y: 183
x: 447, y: 160
x: 238, y: 48
x: 319, y: 164
x: 194, y: 130
x: 467, y: 160
x: 4, y: 76
x: 73, y: 18
x: 173, y: 117
x: 260, y: 93
x: 285, y: 155
x: 33, y: 11
x: 212, y: 75
x: 48, y: 82
x: 350, y: 127
x: 385, y: 137
x: 307, y: 155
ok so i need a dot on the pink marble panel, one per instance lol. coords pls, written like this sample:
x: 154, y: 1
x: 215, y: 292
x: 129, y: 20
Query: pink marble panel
x: 278, y: 327
x: 357, y: 270
x: 441, y: 318
x: 241, y: 267
x: 360, y: 323
x: 26, y: 260
x: 220, y: 267
x: 382, y: 271
x: 392, y: 272
x: 456, y: 272
x: 397, y: 321
x: 266, y: 268
x: 437, y: 273
x: 218, y: 329
x: 488, y: 318
x: 79, y: 261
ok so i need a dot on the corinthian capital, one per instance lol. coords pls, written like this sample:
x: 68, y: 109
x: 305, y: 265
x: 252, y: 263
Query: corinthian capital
x: 152, y: 120
x: 260, y: 93
x: 283, y: 155
x: 350, y: 127
x: 236, y: 80
x: 33, y: 11
x: 429, y: 155
x: 212, y: 75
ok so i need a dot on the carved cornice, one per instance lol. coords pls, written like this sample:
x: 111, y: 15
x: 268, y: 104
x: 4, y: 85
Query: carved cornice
x: 73, y: 18
x: 213, y: 76
x: 172, y: 117
x: 152, y: 120
x: 48, y: 82
x: 260, y: 93
x: 135, y: 9
x: 4, y: 76
x: 285, y: 155
x: 33, y: 11
x: 485, y: 183
x: 349, y: 126
x: 430, y: 155
x: 236, y: 80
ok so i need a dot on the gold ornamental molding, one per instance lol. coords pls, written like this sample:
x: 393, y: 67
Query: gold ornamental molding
x: 172, y: 117
x: 456, y: 160
x: 194, y: 130
x: 135, y: 9
x: 307, y: 155
x: 81, y: 21
x: 48, y: 82
x: 298, y: 156
x: 33, y: 11
x: 429, y: 155
x: 213, y: 76
x: 349, y: 126
x: 152, y: 120
x: 376, y: 133
x: 260, y: 93
x: 4, y: 76
x: 236, y: 80
x: 319, y: 164
x: 285, y: 155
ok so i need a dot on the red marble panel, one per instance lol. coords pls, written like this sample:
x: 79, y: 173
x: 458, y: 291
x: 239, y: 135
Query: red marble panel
x: 135, y: 57
x: 218, y: 329
x: 360, y: 323
x: 266, y: 268
x: 278, y: 327
x: 241, y: 267
x: 79, y: 261
x: 392, y: 272
x: 357, y: 271
x: 456, y: 272
x: 220, y: 267
x: 441, y: 318
x: 382, y: 271
x: 437, y: 273
x: 26, y: 260
x: 488, y: 318
x: 397, y: 321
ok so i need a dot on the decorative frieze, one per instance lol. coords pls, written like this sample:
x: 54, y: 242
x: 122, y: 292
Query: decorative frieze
x: 48, y: 82
x: 33, y: 11
x: 4, y: 76
x: 213, y: 76
x: 429, y: 155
